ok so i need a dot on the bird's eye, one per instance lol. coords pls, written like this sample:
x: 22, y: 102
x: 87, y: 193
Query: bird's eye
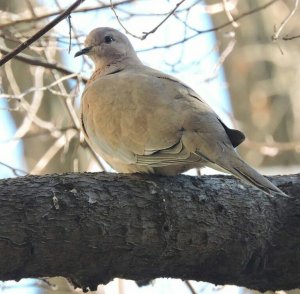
x: 108, y: 39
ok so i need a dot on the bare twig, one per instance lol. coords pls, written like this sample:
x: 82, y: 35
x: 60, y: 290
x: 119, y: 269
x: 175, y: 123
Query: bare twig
x: 145, y: 34
x: 204, y: 8
x: 51, y: 152
x: 229, y: 48
x: 16, y: 171
x: 30, y: 6
x: 54, y: 133
x: 70, y: 32
x: 189, y: 285
x: 51, y: 14
x: 278, y: 31
x: 255, y: 10
x: 35, y: 88
x: 121, y: 24
x: 288, y: 38
x: 33, y: 107
x: 228, y: 13
x: 34, y: 61
x: 40, y: 33
x: 163, y: 21
x: 73, y: 115
x: 214, y: 29
x: 170, y: 44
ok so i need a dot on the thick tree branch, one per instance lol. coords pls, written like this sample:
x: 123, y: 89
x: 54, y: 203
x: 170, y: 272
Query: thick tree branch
x: 94, y: 227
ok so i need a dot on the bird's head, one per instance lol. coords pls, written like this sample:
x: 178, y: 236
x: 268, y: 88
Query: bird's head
x: 107, y: 46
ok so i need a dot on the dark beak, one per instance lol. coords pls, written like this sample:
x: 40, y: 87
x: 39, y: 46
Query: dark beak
x: 83, y: 51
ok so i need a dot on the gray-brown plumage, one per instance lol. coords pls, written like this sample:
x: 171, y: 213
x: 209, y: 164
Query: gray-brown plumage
x: 142, y: 120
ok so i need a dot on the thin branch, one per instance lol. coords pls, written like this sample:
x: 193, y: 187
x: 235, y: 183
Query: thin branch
x: 157, y: 14
x: 204, y: 8
x: 54, y: 133
x: 33, y: 107
x: 255, y: 10
x: 229, y: 48
x: 121, y: 24
x: 189, y: 285
x: 287, y: 38
x: 38, y: 62
x: 228, y: 13
x: 70, y: 32
x: 170, y: 44
x: 34, y: 89
x: 53, y: 149
x: 214, y: 29
x: 30, y: 7
x: 57, y: 38
x: 73, y: 115
x: 51, y: 14
x: 145, y: 34
x: 68, y: 103
x: 163, y: 21
x: 278, y: 31
x: 15, y: 171
x: 40, y: 33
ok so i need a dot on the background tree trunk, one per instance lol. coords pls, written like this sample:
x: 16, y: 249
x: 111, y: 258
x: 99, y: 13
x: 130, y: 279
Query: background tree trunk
x: 264, y: 83
x: 94, y: 227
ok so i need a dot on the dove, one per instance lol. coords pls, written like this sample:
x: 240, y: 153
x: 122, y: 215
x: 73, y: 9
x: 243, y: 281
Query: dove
x: 141, y: 120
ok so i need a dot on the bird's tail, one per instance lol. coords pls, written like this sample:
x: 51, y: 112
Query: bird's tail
x: 251, y: 176
x: 236, y: 166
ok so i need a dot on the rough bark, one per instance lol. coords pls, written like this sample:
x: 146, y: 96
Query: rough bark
x: 94, y: 227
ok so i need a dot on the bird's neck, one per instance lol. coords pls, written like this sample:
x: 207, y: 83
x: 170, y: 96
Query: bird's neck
x: 111, y: 67
x: 115, y: 65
